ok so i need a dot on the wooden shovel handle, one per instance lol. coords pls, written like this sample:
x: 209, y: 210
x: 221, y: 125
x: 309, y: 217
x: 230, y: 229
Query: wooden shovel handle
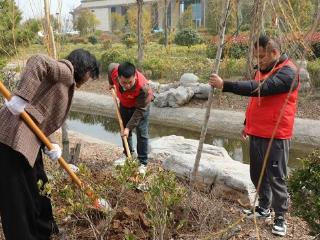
x: 124, y: 138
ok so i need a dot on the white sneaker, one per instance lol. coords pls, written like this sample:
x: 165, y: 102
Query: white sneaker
x: 120, y: 162
x: 142, y: 169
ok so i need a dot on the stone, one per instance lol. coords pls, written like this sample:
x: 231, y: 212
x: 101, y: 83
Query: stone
x: 154, y: 85
x: 202, y: 91
x: 175, y: 97
x: 217, y: 172
x: 188, y: 79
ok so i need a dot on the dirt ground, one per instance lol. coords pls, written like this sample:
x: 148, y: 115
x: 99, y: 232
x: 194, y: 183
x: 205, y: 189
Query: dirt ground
x: 199, y: 215
x: 308, y: 104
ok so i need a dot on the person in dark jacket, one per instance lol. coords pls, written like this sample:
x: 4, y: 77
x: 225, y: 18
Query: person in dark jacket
x: 45, y: 91
x: 135, y: 94
x: 273, y: 99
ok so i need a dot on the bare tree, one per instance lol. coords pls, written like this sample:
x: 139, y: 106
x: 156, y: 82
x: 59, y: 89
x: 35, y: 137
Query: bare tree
x: 140, y: 33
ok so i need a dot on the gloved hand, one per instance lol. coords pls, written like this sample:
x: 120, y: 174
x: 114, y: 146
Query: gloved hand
x: 16, y: 105
x: 73, y: 168
x: 55, y: 153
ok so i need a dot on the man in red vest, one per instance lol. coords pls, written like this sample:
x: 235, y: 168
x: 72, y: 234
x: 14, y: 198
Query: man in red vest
x: 135, y: 95
x: 273, y: 98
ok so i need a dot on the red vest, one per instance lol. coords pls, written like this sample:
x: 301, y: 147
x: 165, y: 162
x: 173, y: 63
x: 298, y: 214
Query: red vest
x: 263, y: 112
x: 128, y: 98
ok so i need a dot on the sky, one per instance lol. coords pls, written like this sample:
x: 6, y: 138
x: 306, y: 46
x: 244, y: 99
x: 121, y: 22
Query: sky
x: 34, y: 8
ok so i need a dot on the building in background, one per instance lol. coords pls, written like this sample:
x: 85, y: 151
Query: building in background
x: 104, y: 8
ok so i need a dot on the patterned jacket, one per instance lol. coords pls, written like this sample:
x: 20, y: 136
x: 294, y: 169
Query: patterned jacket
x: 48, y: 87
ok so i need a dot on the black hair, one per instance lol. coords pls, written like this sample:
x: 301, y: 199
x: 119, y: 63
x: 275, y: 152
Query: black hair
x: 83, y: 62
x: 266, y: 42
x: 126, y: 70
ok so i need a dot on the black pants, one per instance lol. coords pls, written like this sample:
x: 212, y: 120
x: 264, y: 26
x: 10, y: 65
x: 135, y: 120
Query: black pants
x: 273, y: 190
x: 142, y: 131
x: 25, y: 214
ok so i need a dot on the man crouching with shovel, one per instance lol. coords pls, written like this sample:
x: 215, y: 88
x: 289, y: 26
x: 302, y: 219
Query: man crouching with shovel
x: 45, y: 92
x: 135, y: 95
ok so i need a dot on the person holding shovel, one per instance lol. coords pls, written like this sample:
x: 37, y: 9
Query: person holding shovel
x: 45, y: 91
x: 135, y: 96
x: 270, y: 114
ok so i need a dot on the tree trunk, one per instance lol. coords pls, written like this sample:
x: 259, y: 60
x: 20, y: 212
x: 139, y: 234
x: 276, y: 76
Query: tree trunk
x: 53, y: 53
x: 165, y: 23
x: 223, y: 24
x: 140, y: 34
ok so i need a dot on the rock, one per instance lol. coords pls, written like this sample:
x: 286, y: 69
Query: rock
x: 304, y: 80
x: 217, y: 172
x: 154, y: 85
x: 188, y: 79
x: 167, y: 87
x: 202, y: 91
x: 174, y: 97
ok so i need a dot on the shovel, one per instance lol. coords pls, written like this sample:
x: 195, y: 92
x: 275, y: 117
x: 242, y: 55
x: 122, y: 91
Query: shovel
x: 124, y: 138
x: 98, y: 203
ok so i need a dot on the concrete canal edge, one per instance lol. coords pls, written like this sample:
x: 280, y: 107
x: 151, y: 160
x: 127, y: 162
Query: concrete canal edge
x: 222, y: 123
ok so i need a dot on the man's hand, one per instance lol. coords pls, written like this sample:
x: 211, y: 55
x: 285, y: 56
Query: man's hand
x: 216, y: 81
x: 55, y: 153
x: 244, y: 135
x: 125, y: 132
x: 16, y: 105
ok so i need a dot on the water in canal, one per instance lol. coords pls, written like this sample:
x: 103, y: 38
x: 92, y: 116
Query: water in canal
x: 107, y: 129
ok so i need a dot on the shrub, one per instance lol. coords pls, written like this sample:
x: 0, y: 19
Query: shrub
x: 238, y: 50
x: 107, y: 44
x: 313, y: 68
x: 163, y: 195
x: 187, y: 37
x: 304, y: 188
x: 211, y: 51
x: 156, y: 65
x: 115, y: 56
x: 78, y: 39
x: 129, y: 39
x: 232, y: 67
x: 93, y: 39
x: 316, y: 49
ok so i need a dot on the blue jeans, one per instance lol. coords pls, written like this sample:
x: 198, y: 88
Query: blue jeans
x: 142, y: 131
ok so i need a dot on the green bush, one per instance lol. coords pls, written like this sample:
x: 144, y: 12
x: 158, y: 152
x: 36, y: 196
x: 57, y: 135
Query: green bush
x: 187, y: 37
x: 129, y: 39
x: 305, y: 192
x: 115, y: 56
x: 238, y: 50
x: 313, y: 68
x: 107, y: 44
x: 93, y: 39
x: 316, y: 49
x: 232, y: 67
x: 157, y: 65
x: 211, y: 51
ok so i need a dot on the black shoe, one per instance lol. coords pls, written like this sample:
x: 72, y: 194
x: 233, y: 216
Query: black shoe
x: 279, y: 226
x: 259, y: 213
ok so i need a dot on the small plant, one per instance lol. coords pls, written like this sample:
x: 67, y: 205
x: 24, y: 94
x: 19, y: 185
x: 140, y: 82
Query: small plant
x: 127, y: 174
x: 304, y: 188
x: 163, y: 195
x: 129, y: 40
x: 107, y: 44
x: 187, y: 37
x: 93, y: 40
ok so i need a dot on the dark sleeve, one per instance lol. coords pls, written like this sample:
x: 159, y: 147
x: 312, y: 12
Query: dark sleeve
x: 279, y: 82
x: 142, y: 103
x: 34, y: 72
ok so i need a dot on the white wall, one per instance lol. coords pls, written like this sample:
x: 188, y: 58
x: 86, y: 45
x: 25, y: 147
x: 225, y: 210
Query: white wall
x: 103, y: 15
x: 105, y: 3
